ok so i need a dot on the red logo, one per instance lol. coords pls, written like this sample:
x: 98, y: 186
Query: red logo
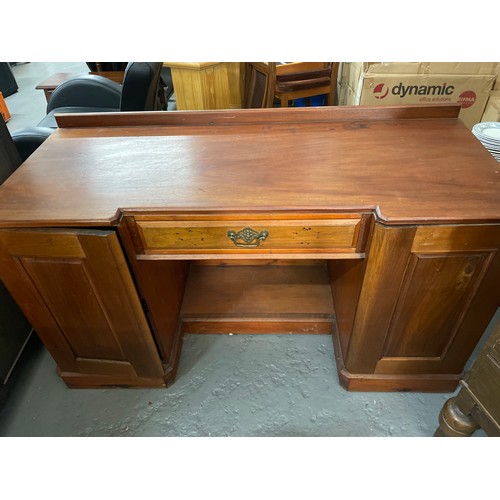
x: 380, y: 91
x: 467, y: 98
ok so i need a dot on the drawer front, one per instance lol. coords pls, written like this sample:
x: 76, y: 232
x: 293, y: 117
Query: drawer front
x: 255, y: 236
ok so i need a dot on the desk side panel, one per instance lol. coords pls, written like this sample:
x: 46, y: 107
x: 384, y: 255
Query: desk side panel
x: 161, y: 285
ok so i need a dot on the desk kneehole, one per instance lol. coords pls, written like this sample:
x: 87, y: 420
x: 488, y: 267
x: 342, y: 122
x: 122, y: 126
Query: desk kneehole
x: 233, y: 273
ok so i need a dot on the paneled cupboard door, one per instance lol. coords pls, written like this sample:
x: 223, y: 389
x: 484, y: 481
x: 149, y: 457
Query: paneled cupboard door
x: 75, y: 288
x: 428, y: 294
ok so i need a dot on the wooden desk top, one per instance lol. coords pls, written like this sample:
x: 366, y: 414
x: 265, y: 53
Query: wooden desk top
x: 57, y: 78
x: 410, y: 164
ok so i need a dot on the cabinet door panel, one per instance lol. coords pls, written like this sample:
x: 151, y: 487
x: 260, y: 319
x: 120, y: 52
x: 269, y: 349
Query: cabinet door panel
x: 79, y: 315
x: 77, y: 291
x: 427, y: 296
x: 435, y: 294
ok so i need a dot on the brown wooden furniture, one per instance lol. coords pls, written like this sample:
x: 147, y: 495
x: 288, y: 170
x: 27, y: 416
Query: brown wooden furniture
x: 207, y: 85
x: 260, y: 83
x: 305, y: 80
x: 266, y: 81
x: 52, y: 82
x: 4, y: 110
x: 478, y: 402
x: 381, y: 225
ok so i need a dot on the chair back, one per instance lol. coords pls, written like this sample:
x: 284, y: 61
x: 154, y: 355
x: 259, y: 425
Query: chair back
x: 304, y: 80
x: 308, y: 77
x: 260, y: 80
x: 140, y: 86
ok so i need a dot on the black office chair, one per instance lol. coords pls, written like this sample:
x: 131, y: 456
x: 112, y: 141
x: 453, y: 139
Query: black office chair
x: 28, y: 139
x: 18, y: 146
x: 107, y: 66
x: 165, y: 89
x: 97, y: 94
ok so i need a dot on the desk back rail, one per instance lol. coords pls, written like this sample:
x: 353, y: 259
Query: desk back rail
x: 257, y: 116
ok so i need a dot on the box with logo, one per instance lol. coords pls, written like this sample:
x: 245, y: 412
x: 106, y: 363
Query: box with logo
x: 470, y: 92
x: 389, y: 84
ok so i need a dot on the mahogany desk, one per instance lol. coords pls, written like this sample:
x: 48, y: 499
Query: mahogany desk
x: 124, y: 231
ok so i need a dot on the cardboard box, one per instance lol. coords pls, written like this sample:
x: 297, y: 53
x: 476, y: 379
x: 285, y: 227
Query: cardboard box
x: 346, y: 96
x: 343, y: 73
x: 349, y: 72
x: 389, y: 84
x: 470, y: 91
x: 492, y: 109
x: 423, y: 68
x: 462, y: 68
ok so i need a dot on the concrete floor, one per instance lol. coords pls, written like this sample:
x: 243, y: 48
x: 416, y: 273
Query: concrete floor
x: 227, y: 385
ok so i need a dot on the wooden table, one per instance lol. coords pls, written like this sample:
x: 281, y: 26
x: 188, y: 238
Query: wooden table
x: 207, y: 85
x: 52, y: 82
x: 381, y: 226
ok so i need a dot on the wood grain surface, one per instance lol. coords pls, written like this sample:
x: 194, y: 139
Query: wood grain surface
x: 81, y: 300
x: 408, y: 165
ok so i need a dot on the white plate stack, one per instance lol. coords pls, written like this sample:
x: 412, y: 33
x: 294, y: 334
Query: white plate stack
x: 488, y: 134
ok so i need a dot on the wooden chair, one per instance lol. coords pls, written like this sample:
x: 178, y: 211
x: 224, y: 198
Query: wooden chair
x: 286, y: 82
x: 305, y: 80
x: 260, y: 81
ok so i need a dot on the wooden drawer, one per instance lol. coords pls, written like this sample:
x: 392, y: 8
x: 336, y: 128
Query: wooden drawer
x: 259, y: 236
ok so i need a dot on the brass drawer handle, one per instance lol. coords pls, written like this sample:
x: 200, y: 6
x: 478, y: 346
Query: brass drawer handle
x: 250, y: 237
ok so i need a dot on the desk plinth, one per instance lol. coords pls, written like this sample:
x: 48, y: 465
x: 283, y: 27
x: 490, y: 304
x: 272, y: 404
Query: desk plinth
x: 126, y: 231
